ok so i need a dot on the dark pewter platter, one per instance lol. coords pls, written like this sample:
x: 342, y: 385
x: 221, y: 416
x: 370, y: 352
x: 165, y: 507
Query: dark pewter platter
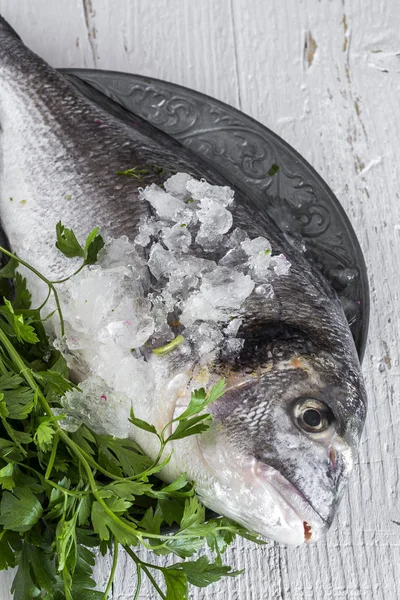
x: 261, y: 164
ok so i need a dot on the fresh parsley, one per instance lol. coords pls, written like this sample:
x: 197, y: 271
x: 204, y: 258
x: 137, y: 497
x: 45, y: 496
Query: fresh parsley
x: 64, y: 494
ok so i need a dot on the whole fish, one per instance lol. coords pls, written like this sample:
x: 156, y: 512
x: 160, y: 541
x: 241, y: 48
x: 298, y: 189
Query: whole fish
x: 285, y: 434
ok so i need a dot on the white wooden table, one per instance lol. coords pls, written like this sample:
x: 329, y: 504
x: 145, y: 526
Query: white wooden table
x: 325, y: 75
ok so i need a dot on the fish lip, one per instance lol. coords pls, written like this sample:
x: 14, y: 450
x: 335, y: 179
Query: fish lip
x: 262, y: 471
x: 281, y: 485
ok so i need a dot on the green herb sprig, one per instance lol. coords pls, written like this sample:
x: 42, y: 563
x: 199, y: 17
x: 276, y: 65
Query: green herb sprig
x: 64, y: 494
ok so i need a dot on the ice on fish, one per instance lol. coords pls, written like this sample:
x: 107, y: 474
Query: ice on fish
x: 280, y: 264
x: 235, y: 238
x: 161, y: 262
x: 236, y: 258
x: 226, y: 288
x: 177, y: 238
x: 200, y: 190
x: 162, y: 334
x: 131, y: 333
x: 265, y: 289
x: 193, y: 265
x: 119, y: 252
x: 100, y: 407
x: 259, y: 253
x: 148, y: 227
x: 197, y: 308
x: 95, y: 292
x: 176, y: 185
x: 215, y: 220
x: 110, y: 315
x: 207, y: 337
x: 167, y: 207
x: 256, y: 246
x: 134, y: 378
x: 233, y: 327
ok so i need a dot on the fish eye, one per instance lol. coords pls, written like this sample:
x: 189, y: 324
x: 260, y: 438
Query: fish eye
x: 312, y: 415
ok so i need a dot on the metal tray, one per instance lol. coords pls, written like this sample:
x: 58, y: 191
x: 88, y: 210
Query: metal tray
x: 260, y: 163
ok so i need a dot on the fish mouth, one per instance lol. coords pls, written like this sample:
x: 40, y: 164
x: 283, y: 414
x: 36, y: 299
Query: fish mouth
x: 260, y: 498
x: 314, y: 525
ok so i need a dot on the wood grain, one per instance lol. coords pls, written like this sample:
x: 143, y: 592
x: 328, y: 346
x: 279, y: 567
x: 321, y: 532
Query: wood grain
x: 326, y: 77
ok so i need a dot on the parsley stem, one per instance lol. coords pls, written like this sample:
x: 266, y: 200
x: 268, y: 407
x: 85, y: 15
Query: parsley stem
x: 69, y: 276
x: 143, y: 566
x: 139, y: 581
x: 51, y: 483
x: 43, y: 278
x: 96, y: 465
x: 45, y: 301
x: 113, y: 568
x: 52, y: 456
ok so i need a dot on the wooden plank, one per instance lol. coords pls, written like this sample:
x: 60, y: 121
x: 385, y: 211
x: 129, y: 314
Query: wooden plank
x: 324, y: 76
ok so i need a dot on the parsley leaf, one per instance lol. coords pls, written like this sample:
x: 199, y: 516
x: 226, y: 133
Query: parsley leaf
x: 142, y: 424
x: 20, y: 510
x: 9, y: 270
x: 22, y: 294
x: 22, y: 331
x: 201, y: 573
x: 93, y: 250
x: 6, y: 477
x: 104, y: 525
x: 62, y: 493
x: 177, y: 587
x: 67, y: 242
x: 44, y: 433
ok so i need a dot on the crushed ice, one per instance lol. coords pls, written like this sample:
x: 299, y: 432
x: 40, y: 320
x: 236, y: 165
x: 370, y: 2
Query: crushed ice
x: 119, y: 310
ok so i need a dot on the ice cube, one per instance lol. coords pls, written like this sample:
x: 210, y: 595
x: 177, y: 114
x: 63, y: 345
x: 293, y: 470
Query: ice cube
x: 180, y: 287
x: 235, y: 238
x: 193, y: 265
x: 104, y: 356
x: 167, y: 207
x: 135, y: 379
x: 280, y: 264
x: 265, y: 290
x: 233, y: 327
x: 119, y: 252
x: 206, y: 337
x: 236, y: 258
x: 131, y: 333
x: 148, y: 227
x: 68, y: 423
x: 197, y: 308
x: 226, y: 288
x: 176, y: 185
x: 161, y: 262
x: 92, y: 295
x: 259, y: 253
x: 200, y: 190
x: 215, y: 221
x: 177, y: 237
x: 256, y: 246
x: 99, y: 407
x: 168, y: 299
x: 260, y: 266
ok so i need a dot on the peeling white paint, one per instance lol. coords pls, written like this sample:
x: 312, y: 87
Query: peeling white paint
x: 340, y: 109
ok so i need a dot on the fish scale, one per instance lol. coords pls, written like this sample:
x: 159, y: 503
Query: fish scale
x: 259, y: 463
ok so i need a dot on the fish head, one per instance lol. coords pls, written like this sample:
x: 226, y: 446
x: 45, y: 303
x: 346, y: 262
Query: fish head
x: 282, y: 446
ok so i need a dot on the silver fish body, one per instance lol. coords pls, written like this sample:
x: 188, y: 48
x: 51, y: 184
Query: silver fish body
x: 285, y: 434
